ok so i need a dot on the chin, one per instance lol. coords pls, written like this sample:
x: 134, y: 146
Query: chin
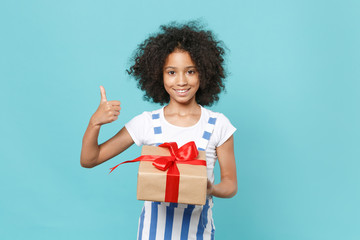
x: 184, y: 101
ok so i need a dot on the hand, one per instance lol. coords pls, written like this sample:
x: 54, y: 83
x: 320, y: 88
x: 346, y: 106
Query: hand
x: 107, y: 112
x: 209, y: 189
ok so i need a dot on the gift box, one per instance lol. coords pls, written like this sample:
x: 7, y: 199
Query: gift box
x: 169, y: 174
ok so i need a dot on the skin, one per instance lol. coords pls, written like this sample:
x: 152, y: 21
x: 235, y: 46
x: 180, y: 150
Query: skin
x: 181, y: 81
x: 180, y: 74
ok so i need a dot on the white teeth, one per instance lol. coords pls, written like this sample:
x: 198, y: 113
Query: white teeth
x: 181, y: 91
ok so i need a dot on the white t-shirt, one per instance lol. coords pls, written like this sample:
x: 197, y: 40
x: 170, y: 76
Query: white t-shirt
x: 141, y: 130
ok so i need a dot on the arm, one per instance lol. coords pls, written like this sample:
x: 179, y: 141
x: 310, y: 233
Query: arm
x: 227, y: 187
x: 93, y: 154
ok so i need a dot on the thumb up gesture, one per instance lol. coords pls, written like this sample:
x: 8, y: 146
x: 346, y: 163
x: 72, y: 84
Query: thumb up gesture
x: 107, y: 112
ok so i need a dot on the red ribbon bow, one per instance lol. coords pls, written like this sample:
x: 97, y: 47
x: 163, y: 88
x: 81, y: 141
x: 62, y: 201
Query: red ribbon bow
x: 186, y: 154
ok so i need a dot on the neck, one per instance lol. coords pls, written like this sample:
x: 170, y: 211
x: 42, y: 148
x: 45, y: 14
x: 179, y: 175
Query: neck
x: 182, y: 109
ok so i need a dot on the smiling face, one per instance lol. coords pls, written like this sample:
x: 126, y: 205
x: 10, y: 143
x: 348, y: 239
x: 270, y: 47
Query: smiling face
x: 181, y: 79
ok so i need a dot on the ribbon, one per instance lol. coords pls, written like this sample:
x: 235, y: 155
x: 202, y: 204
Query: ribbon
x: 184, y: 155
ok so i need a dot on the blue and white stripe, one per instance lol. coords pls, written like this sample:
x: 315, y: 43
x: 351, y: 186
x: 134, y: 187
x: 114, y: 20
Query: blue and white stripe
x: 160, y: 221
x: 209, y: 128
x: 174, y: 221
x: 155, y: 116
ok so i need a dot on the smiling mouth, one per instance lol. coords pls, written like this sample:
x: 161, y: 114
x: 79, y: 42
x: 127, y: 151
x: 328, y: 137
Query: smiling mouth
x: 182, y: 90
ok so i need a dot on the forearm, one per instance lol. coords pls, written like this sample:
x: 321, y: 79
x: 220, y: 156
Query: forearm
x: 90, y: 149
x: 227, y: 188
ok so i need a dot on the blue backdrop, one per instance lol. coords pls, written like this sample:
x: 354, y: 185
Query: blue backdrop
x: 293, y: 94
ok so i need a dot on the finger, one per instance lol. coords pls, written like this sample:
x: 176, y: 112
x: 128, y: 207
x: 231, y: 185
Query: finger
x: 103, y: 94
x: 113, y: 114
x: 116, y: 108
x: 114, y: 102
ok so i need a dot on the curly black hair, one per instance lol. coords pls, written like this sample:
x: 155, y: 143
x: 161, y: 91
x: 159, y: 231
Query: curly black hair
x: 206, y: 52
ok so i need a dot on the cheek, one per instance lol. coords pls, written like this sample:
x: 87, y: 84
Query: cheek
x: 167, y: 85
x: 196, y: 82
x: 201, y: 84
x: 165, y: 80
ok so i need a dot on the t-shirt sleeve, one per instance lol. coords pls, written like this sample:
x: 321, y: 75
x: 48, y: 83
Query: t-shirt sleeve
x: 139, y: 128
x: 223, y: 129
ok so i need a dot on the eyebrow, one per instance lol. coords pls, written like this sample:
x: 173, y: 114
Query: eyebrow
x: 175, y: 67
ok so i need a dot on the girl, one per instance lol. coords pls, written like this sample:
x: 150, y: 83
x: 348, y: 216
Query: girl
x: 181, y: 67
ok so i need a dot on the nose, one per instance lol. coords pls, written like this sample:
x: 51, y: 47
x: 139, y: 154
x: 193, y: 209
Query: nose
x: 182, y: 80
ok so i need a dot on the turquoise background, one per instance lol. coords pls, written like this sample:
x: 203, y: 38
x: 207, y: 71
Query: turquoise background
x: 292, y: 93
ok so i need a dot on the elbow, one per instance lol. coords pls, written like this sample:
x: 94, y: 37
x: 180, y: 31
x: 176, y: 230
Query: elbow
x: 88, y: 161
x: 234, y: 191
x: 86, y: 164
x: 225, y: 190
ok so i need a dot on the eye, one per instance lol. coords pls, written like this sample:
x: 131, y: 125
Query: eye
x: 171, y: 72
x: 191, y: 72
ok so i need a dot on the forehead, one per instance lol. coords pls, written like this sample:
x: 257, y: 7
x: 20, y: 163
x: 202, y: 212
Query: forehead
x: 179, y: 59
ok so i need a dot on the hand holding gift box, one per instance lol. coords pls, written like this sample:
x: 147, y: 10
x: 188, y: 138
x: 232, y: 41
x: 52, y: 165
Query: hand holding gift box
x: 171, y: 174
